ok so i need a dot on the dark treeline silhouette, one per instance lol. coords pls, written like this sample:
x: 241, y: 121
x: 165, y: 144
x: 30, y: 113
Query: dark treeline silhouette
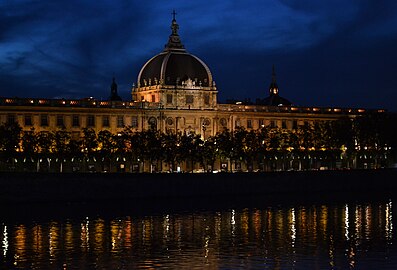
x: 364, y: 142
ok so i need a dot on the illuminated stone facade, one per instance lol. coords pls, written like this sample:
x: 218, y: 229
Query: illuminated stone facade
x: 175, y: 90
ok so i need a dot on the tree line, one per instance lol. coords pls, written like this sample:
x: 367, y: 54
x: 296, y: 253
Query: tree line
x: 367, y: 141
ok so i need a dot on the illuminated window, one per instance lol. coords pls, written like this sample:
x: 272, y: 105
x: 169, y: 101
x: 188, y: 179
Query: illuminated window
x: 90, y: 121
x: 153, y: 98
x: 44, y: 120
x: 169, y: 99
x: 120, y: 121
x: 105, y: 121
x: 28, y: 120
x: 60, y: 122
x: 134, y: 121
x: 76, y: 121
x: 189, y: 99
x: 249, y: 123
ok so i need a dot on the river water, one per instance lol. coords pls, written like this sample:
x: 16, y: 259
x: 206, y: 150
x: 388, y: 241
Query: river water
x: 346, y: 234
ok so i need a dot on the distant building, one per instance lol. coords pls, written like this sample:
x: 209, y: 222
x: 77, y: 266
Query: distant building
x: 175, y: 91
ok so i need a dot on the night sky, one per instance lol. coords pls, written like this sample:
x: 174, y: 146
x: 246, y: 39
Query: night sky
x: 326, y: 53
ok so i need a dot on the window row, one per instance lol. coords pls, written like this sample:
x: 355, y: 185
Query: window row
x: 76, y: 120
x: 189, y: 99
x: 271, y: 123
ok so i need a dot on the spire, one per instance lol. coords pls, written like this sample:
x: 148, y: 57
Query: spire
x: 113, y: 91
x: 174, y: 41
x: 273, y: 88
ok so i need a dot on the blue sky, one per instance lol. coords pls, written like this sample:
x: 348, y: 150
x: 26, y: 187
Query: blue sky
x: 326, y: 53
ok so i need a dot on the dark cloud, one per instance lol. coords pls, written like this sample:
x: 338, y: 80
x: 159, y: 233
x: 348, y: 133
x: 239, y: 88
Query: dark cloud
x: 334, y: 53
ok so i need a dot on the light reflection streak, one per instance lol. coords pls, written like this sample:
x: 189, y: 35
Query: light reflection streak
x: 166, y: 226
x: 233, y: 222
x: 53, y: 239
x: 293, y: 228
x: 358, y: 224
x: 347, y: 222
x: 368, y: 218
x: 5, y: 241
x: 20, y: 244
x: 389, y: 221
x: 85, y: 234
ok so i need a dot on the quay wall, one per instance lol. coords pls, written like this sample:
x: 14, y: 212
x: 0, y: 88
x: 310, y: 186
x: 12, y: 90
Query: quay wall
x: 88, y: 187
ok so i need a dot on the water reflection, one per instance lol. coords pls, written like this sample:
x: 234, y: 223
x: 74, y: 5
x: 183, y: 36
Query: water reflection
x: 342, y: 236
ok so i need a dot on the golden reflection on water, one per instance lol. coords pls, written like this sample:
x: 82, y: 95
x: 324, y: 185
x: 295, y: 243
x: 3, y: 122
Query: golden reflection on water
x: 273, y: 237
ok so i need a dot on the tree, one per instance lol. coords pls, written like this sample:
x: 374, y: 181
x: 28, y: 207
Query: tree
x: 10, y: 134
x: 106, y: 146
x: 45, y: 143
x: 60, y: 147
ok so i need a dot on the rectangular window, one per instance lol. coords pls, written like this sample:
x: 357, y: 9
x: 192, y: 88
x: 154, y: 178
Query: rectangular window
x: 272, y: 124
x: 189, y: 99
x: 60, y: 121
x: 76, y: 121
x: 90, y: 121
x: 134, y: 121
x: 169, y: 99
x: 44, y: 120
x: 249, y: 123
x: 120, y: 121
x: 153, y: 98
x: 237, y: 123
x: 105, y: 121
x: 28, y: 120
x: 207, y: 99
x: 284, y: 124
x: 11, y: 118
x: 261, y: 123
x: 142, y: 98
x: 295, y: 124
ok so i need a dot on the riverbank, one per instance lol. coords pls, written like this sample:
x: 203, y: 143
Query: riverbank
x: 90, y: 187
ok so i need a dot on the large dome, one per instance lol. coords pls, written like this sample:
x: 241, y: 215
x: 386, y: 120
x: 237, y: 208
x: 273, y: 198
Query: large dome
x: 174, y: 65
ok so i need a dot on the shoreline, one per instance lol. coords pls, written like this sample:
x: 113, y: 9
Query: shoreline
x: 92, y: 187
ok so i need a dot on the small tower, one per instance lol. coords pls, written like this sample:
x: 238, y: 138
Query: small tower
x: 113, y: 91
x: 174, y: 41
x: 274, y: 99
x: 273, y: 88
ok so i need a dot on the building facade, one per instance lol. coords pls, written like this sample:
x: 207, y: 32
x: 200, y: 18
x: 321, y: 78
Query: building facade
x: 175, y: 91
